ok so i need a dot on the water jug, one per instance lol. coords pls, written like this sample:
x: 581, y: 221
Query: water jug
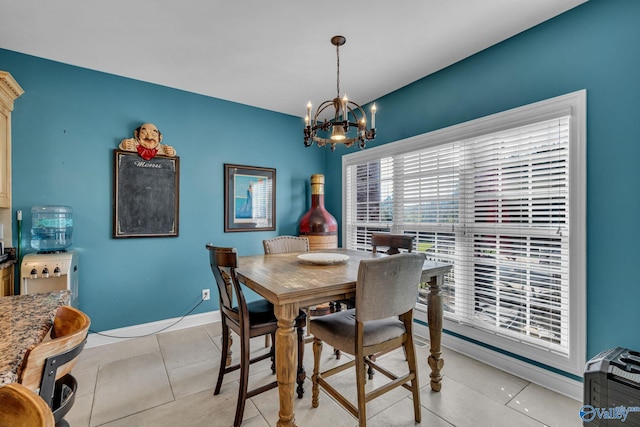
x: 51, y: 228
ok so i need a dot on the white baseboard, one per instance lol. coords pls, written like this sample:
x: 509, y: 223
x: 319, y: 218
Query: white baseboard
x: 519, y: 368
x: 135, y: 331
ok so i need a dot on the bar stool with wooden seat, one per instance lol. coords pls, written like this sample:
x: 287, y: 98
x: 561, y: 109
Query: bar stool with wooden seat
x: 21, y: 407
x: 247, y: 320
x: 373, y: 328
x: 48, y: 365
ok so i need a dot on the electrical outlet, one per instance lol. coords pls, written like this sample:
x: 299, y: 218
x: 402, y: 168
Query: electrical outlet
x: 206, y: 294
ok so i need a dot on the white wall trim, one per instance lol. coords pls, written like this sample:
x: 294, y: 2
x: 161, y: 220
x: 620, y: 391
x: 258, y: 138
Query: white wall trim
x: 542, y: 377
x: 135, y: 331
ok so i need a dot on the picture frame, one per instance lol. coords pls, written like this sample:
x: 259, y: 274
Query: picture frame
x: 146, y: 196
x: 249, y: 198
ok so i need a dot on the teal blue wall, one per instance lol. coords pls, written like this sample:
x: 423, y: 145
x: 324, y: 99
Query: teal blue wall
x: 69, y: 120
x: 65, y: 128
x: 596, y: 47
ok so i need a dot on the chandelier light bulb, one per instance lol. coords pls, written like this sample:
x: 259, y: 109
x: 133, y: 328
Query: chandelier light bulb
x: 373, y: 115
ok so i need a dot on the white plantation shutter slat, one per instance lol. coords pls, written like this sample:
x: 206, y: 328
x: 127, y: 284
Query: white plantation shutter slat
x: 497, y: 208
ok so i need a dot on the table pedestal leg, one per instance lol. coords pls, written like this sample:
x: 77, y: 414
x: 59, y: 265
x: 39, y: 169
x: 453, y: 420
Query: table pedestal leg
x: 286, y: 369
x: 434, y: 317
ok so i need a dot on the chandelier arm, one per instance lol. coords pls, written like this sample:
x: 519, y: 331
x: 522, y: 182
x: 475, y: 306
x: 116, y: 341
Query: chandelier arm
x: 321, y: 142
x: 353, y: 113
x: 320, y: 109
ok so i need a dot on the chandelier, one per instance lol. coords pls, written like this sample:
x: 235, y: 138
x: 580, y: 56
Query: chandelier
x: 348, y: 124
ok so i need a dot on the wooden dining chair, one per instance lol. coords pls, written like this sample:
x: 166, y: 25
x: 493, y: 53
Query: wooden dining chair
x: 247, y: 320
x: 373, y: 328
x: 392, y: 242
x: 47, y: 366
x: 21, y: 407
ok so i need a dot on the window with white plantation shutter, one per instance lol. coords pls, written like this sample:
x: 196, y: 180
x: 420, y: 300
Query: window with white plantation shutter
x: 502, y: 200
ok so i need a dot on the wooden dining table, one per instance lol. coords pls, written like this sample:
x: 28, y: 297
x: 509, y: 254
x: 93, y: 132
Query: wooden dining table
x: 290, y: 283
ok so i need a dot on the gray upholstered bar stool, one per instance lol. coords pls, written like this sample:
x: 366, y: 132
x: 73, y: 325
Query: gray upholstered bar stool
x: 373, y: 329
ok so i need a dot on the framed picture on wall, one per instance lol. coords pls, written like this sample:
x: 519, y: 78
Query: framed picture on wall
x: 249, y: 198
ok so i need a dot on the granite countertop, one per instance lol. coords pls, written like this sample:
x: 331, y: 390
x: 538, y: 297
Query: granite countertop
x: 8, y: 263
x: 24, y: 322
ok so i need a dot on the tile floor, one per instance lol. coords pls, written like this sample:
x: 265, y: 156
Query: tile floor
x: 167, y: 380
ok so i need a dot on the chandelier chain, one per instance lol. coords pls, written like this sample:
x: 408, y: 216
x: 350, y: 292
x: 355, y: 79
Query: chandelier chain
x: 338, y: 72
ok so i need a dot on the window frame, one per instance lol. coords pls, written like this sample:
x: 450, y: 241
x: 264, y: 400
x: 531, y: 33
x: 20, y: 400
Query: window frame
x: 572, y: 104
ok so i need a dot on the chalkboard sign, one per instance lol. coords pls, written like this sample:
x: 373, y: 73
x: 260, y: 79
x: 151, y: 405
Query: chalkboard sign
x: 146, y: 195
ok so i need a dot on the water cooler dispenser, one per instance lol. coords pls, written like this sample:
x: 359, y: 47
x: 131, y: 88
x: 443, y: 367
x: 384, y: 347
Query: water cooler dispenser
x: 50, y: 272
x: 53, y: 267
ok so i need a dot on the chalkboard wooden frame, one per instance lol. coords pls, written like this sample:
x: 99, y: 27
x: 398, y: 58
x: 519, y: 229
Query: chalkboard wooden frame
x: 146, y: 196
x: 249, y: 198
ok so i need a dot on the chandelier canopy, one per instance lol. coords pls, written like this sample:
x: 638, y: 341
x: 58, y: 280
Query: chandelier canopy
x: 347, y: 125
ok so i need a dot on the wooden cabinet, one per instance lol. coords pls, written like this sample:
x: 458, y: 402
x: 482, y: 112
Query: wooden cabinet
x: 9, y: 91
x: 6, y: 281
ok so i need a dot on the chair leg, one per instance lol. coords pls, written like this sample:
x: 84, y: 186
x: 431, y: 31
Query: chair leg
x: 223, y: 357
x: 315, y: 389
x: 302, y: 375
x: 370, y: 370
x: 410, y: 353
x: 308, y: 313
x: 244, y: 379
x: 361, y: 379
x: 229, y: 352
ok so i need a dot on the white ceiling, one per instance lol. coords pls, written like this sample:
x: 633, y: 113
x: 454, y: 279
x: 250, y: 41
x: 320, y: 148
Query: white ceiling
x: 271, y: 54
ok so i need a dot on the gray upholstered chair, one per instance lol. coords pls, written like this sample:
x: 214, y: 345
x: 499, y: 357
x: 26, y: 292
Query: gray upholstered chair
x: 386, y: 291
x: 285, y: 244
